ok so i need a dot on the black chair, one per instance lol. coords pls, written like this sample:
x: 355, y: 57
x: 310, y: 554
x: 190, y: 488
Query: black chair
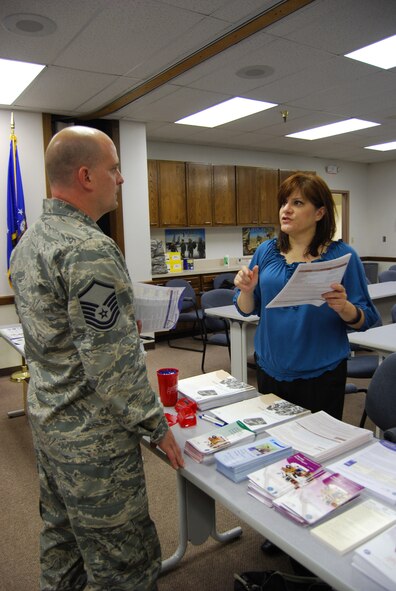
x: 389, y: 275
x: 224, y: 281
x: 189, y: 313
x: 216, y: 330
x: 381, y: 398
x: 392, y: 268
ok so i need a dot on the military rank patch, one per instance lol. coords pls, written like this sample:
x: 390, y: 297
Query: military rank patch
x: 99, y: 305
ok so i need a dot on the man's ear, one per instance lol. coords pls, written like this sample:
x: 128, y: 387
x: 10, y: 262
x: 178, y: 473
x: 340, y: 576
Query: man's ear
x: 84, y: 177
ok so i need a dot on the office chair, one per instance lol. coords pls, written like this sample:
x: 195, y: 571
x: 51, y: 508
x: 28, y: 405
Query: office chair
x: 371, y: 270
x: 393, y: 313
x: 361, y: 367
x: 389, y: 275
x: 189, y: 312
x: 381, y: 398
x: 224, y: 281
x: 392, y: 268
x: 216, y: 330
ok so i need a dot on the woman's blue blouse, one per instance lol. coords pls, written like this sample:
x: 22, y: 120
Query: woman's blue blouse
x: 303, y: 341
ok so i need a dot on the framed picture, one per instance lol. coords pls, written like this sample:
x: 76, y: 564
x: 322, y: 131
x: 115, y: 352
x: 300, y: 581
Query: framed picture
x: 189, y: 242
x: 252, y: 237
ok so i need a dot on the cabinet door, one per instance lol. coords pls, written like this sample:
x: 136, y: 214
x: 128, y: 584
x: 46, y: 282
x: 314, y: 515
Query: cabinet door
x: 152, y: 175
x: 224, y: 196
x: 268, y: 196
x: 199, y: 194
x: 172, y: 193
x: 248, y: 195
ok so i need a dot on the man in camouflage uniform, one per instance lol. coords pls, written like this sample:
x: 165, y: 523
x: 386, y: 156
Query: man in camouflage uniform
x: 89, y: 400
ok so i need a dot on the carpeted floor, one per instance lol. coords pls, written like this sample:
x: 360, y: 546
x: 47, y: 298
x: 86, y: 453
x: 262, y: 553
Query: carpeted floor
x: 208, y: 567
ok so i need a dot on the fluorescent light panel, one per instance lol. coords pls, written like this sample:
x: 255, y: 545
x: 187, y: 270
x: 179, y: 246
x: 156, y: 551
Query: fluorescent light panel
x: 381, y: 54
x: 331, y: 129
x: 15, y: 77
x: 382, y: 147
x: 230, y: 110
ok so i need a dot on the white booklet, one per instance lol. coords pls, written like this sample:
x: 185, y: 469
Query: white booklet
x: 377, y: 559
x: 157, y: 306
x: 202, y: 448
x: 309, y: 281
x: 374, y: 467
x: 321, y: 436
x: 212, y: 389
x: 260, y: 412
x: 356, y: 525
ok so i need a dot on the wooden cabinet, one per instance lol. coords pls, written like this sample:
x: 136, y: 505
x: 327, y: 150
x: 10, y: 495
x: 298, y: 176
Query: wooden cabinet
x: 172, y: 193
x: 256, y: 191
x: 268, y: 203
x: 199, y: 194
x: 224, y: 197
x: 152, y: 175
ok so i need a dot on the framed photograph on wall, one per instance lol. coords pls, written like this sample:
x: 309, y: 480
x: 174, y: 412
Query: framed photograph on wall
x: 190, y: 242
x: 252, y: 237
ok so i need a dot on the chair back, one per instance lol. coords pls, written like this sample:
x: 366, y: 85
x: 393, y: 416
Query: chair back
x: 213, y: 299
x: 224, y: 280
x: 189, y: 298
x: 388, y: 275
x: 392, y: 268
x: 381, y: 395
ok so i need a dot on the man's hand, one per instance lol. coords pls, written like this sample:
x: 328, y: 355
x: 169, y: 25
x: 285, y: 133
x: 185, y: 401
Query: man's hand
x: 169, y: 445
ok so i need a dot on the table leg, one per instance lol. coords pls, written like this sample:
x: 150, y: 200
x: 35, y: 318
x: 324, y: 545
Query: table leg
x: 197, y: 521
x: 238, y: 370
x: 12, y: 414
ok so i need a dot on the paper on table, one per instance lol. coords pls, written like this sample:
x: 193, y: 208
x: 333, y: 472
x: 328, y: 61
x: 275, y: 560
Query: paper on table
x: 309, y: 281
x: 157, y: 306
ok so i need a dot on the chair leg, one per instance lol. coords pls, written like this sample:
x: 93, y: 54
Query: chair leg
x: 363, y: 419
x: 203, y: 358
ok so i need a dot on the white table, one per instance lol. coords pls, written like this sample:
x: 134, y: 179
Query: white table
x: 381, y: 339
x: 200, y: 486
x: 383, y: 296
x: 13, y: 335
x: 242, y: 330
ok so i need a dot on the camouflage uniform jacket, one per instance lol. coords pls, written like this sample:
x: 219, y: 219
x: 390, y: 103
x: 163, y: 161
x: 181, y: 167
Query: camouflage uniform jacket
x: 89, y: 393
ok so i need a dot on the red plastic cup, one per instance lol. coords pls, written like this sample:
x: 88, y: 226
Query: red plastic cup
x: 167, y: 383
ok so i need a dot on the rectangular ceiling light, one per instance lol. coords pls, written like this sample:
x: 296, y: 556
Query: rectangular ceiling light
x: 382, y: 147
x: 230, y: 110
x: 338, y: 128
x: 381, y: 54
x: 15, y: 77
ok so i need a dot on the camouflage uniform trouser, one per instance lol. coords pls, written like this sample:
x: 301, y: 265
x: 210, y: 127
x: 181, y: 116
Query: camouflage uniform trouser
x: 97, y: 532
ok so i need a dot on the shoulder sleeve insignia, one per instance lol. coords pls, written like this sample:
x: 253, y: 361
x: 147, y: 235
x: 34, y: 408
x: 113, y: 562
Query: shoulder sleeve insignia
x: 99, y: 305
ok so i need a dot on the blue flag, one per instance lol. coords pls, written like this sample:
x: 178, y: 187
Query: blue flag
x: 16, y: 218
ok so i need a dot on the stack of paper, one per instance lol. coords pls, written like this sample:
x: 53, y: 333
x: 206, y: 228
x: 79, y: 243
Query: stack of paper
x: 282, y: 476
x: 318, y: 498
x: 373, y: 467
x: 355, y: 526
x: 202, y: 447
x: 377, y: 559
x: 321, y: 436
x: 236, y: 463
x: 258, y: 413
x: 214, y: 389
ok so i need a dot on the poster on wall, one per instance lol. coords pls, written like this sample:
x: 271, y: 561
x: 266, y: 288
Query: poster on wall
x: 254, y: 236
x: 189, y: 242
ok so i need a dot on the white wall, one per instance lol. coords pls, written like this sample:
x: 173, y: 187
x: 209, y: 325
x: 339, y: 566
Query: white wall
x: 381, y: 211
x: 352, y: 177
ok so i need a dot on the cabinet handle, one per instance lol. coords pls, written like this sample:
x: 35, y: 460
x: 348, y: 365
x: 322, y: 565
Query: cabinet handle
x: 255, y: 222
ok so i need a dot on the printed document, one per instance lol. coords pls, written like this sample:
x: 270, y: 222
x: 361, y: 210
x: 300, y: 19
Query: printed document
x: 158, y: 307
x: 309, y: 281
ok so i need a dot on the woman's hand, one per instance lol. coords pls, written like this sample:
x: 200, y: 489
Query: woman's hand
x: 247, y: 279
x: 338, y: 301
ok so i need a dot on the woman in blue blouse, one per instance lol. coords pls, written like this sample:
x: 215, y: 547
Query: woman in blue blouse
x: 301, y: 351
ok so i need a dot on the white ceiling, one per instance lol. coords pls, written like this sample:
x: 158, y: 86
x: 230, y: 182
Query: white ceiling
x: 102, y: 49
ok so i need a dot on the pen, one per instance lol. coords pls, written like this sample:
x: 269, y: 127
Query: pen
x: 214, y: 420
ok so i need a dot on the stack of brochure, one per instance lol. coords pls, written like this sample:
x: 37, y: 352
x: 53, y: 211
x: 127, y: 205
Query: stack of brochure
x: 351, y: 528
x: 203, y: 447
x: 274, y: 480
x: 237, y: 462
x: 318, y: 498
x: 377, y: 559
x: 216, y: 388
x: 374, y: 467
x: 321, y: 436
x: 260, y: 412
